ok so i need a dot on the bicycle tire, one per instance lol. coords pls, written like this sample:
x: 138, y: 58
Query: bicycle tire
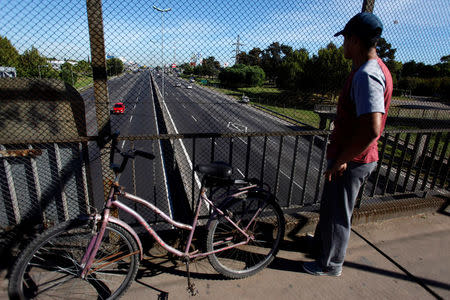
x: 50, y: 266
x: 268, y: 230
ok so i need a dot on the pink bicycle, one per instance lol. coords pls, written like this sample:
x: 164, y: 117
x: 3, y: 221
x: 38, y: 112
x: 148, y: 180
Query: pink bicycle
x: 98, y: 256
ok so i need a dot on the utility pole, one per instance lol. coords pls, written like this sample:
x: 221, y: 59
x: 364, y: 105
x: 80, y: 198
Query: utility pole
x: 368, y: 6
x: 238, y: 44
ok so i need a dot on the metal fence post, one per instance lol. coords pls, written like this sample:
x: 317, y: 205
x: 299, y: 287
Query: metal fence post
x: 97, y: 42
x: 368, y: 6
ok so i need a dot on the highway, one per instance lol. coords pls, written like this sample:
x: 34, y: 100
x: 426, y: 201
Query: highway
x: 144, y: 177
x: 203, y: 110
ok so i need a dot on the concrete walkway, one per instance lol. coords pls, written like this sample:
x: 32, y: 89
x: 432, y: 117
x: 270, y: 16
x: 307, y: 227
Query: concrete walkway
x: 401, y: 258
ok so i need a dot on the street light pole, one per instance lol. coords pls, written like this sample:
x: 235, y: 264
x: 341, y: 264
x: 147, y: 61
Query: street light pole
x: 162, y: 11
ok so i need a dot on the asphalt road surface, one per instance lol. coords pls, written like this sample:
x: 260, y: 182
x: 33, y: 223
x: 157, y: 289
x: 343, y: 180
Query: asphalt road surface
x: 143, y: 177
x: 203, y: 110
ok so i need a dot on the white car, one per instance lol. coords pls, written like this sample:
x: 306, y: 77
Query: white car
x: 178, y: 84
x: 245, y: 99
x: 189, y: 86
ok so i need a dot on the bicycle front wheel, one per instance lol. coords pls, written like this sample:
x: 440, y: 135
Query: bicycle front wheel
x: 258, y: 216
x: 49, y: 268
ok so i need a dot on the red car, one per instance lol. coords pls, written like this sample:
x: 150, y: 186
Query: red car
x: 119, y: 108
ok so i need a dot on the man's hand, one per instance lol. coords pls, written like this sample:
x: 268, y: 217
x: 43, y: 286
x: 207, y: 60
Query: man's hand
x: 336, y: 169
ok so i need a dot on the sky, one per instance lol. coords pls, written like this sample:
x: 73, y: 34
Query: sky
x: 418, y: 29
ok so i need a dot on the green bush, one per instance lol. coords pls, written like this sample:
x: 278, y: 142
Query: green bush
x: 433, y: 87
x: 242, y: 76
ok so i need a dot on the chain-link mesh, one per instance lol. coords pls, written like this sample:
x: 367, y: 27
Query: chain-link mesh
x: 79, y: 69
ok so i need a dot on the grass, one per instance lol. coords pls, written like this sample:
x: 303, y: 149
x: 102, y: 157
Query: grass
x: 308, y: 117
x: 432, y: 114
x: 271, y: 98
x: 83, y: 81
x: 412, y: 143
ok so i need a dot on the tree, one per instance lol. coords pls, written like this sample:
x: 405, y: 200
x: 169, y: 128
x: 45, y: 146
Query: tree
x: 32, y: 64
x: 114, y: 66
x: 395, y: 67
x: 242, y: 58
x: 254, y: 57
x: 409, y: 69
x: 9, y: 56
x: 292, y: 69
x: 445, y: 59
x: 328, y: 70
x: 242, y: 75
x: 83, y: 68
x: 271, y: 60
x: 444, y: 66
x: 254, y: 76
x: 385, y: 50
x: 67, y: 74
x: 413, y: 69
x: 209, y: 67
x: 286, y: 50
x: 187, y: 68
x: 387, y: 54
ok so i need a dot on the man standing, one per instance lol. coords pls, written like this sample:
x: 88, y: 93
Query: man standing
x: 353, y: 153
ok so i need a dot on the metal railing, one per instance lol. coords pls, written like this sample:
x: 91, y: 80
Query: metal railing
x: 411, y: 162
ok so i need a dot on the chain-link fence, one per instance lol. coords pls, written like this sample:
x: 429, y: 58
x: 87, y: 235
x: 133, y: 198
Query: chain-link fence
x: 210, y: 74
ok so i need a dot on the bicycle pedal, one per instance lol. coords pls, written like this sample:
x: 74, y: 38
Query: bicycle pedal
x: 193, y: 291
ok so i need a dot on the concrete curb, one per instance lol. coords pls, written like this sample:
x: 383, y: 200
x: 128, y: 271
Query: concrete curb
x: 301, y: 223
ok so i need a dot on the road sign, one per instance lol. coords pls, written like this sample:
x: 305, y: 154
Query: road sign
x: 174, y: 66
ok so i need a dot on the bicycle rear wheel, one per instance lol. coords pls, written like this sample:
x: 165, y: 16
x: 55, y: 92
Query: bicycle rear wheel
x: 49, y: 267
x: 260, y: 217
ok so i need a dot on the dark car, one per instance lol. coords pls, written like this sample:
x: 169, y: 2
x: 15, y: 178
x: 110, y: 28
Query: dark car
x: 118, y: 108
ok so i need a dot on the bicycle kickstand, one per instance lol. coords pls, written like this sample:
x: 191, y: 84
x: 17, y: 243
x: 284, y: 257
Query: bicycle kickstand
x: 192, y: 290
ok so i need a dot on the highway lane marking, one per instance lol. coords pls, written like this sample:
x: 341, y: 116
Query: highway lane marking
x: 194, y: 118
x: 242, y: 174
x: 131, y: 118
x: 123, y: 144
x: 195, y: 96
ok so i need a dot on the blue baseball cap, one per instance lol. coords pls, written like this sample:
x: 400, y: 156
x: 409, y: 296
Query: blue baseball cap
x: 365, y: 25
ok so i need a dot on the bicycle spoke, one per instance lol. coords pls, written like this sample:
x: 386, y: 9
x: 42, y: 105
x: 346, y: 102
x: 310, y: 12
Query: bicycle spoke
x: 262, y: 221
x: 50, y: 268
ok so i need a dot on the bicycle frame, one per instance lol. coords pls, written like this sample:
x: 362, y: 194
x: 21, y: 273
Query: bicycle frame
x: 112, y: 201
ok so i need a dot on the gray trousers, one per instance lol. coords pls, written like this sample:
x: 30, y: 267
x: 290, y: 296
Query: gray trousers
x: 336, y: 208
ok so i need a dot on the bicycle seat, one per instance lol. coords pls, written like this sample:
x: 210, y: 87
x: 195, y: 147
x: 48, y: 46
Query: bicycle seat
x: 216, y: 169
